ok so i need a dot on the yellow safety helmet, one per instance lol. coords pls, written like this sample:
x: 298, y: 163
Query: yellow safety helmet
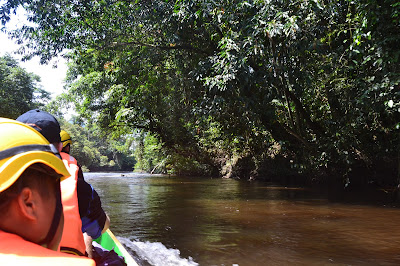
x: 20, y: 147
x: 65, y: 138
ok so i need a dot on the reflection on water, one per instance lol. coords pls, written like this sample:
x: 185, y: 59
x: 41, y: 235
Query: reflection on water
x: 226, y: 222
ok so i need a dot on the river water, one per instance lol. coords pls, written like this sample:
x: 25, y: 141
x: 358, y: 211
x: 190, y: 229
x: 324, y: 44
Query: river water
x: 193, y: 221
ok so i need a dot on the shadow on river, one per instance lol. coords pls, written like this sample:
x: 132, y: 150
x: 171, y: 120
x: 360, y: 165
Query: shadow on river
x: 229, y: 222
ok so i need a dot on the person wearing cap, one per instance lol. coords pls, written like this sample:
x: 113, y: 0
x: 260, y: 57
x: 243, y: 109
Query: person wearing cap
x: 82, y: 206
x: 31, y: 217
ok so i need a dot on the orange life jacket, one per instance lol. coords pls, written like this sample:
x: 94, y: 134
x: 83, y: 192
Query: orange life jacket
x: 72, y: 239
x: 14, y: 250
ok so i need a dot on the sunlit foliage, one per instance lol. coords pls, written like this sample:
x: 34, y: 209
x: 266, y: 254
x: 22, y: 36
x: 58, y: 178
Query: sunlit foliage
x: 19, y: 89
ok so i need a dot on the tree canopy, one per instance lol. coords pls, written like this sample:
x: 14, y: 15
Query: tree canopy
x: 239, y: 88
x: 95, y: 151
x: 19, y: 89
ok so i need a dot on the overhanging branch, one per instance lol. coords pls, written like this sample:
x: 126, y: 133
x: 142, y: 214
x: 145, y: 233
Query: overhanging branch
x: 161, y: 47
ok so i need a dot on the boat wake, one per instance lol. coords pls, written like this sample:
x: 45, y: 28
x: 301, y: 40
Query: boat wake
x: 156, y: 253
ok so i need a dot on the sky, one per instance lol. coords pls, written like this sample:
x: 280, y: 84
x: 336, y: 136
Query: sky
x: 52, y: 79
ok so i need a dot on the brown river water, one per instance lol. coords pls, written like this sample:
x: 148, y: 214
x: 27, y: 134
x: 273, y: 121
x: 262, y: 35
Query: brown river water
x: 193, y: 221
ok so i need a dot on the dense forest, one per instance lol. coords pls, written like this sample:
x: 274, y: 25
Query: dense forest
x: 301, y: 90
x: 20, y: 92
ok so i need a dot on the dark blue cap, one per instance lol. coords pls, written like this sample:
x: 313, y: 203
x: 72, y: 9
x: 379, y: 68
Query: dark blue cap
x: 43, y: 122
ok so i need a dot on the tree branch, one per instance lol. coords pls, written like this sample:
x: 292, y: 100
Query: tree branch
x: 291, y: 132
x: 170, y: 47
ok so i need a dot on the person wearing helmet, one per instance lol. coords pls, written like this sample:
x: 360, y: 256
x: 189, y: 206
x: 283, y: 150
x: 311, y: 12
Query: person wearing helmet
x: 89, y: 200
x: 31, y: 217
x: 82, y: 206
x: 66, y: 141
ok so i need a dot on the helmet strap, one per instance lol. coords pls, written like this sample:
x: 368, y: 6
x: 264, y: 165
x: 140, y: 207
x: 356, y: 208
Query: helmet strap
x: 56, y: 219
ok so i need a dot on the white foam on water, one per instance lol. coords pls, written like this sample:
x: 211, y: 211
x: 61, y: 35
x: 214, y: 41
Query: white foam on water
x: 157, y: 254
